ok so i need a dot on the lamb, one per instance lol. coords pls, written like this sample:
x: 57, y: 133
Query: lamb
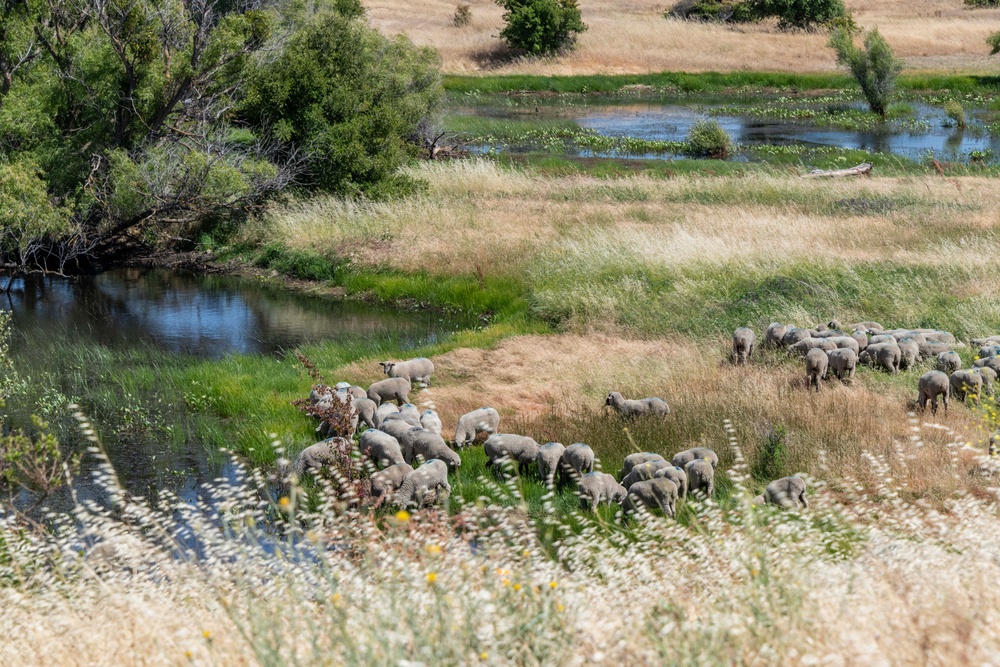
x: 632, y: 460
x: 933, y: 384
x: 644, y: 471
x: 842, y: 363
x: 427, y: 483
x: 366, y: 410
x: 743, y: 341
x: 786, y: 492
x: 701, y: 477
x: 548, y: 458
x: 658, y: 493
x: 421, y: 442
x: 501, y: 447
x: 964, y: 383
x: 384, y: 411
x: 381, y: 447
x: 386, y: 482
x: 681, y: 459
x: 599, y: 487
x: 989, y: 376
x: 775, y: 332
x: 949, y: 361
x: 677, y: 476
x: 805, y: 345
x: 637, y: 407
x: 393, y: 389
x: 430, y: 420
x: 415, y: 371
x: 471, y: 424
x: 315, y: 457
x: 577, y: 460
x: 816, y: 365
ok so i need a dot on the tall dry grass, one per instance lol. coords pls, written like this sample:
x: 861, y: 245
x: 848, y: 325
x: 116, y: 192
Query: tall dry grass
x: 633, y: 37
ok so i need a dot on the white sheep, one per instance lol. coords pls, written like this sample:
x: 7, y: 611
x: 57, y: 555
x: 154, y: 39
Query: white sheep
x: 743, y: 342
x: 401, y: 417
x: 366, y: 410
x: 644, y: 471
x: 384, y: 411
x: 501, y: 447
x: 471, y: 424
x: 421, y: 443
x: 701, y: 477
x: 785, y: 493
x: 657, y: 493
x: 392, y: 389
x: 632, y: 460
x: 577, y: 460
x: 430, y: 420
x: 637, y: 407
x: 681, y: 459
x: 548, y: 458
x: 415, y: 371
x: 386, y: 482
x: 599, y: 487
x: 410, y: 410
x: 396, y: 428
x: 426, y: 484
x: 381, y: 447
x: 677, y: 476
x: 315, y: 457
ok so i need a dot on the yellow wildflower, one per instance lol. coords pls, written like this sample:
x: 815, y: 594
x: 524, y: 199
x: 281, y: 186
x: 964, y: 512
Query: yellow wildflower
x: 402, y: 515
x: 433, y: 549
x: 431, y: 577
x: 552, y: 585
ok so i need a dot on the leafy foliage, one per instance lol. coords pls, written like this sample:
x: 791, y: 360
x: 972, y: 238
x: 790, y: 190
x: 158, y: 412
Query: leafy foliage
x: 725, y: 11
x: 953, y: 109
x: 802, y: 14
x: 875, y: 67
x: 463, y: 16
x: 708, y: 139
x: 982, y: 3
x: 540, y: 27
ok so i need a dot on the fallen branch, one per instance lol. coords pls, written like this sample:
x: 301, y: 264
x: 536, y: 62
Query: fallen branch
x: 864, y: 169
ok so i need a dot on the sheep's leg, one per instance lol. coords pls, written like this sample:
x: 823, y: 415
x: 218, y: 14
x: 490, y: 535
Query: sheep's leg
x: 802, y: 498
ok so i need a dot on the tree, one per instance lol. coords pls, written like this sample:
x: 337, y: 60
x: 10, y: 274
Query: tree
x: 875, y: 67
x: 350, y: 100
x: 540, y: 27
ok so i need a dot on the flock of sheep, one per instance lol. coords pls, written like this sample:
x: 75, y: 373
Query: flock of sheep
x: 836, y: 349
x: 399, y: 436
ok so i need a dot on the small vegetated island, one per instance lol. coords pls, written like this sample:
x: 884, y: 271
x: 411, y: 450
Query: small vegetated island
x: 683, y: 389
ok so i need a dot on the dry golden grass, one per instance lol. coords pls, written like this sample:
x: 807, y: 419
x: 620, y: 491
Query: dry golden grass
x: 626, y: 36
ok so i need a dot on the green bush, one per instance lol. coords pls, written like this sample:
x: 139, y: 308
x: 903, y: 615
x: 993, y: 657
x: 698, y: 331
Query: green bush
x: 875, y: 67
x: 708, y: 139
x: 953, y: 109
x: 982, y: 3
x: 725, y: 11
x: 540, y: 27
x: 463, y: 16
x: 347, y: 100
x: 802, y: 14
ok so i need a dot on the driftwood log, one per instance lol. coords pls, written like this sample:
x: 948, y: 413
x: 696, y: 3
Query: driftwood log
x: 864, y: 169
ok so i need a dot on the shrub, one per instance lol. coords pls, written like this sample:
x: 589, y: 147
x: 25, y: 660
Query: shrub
x: 802, y: 14
x: 463, y: 16
x: 725, y: 11
x: 875, y: 67
x: 540, y: 27
x: 708, y: 139
x: 982, y: 3
x: 994, y: 41
x: 953, y: 109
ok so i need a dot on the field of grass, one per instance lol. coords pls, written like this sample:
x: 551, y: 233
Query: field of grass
x: 625, y: 37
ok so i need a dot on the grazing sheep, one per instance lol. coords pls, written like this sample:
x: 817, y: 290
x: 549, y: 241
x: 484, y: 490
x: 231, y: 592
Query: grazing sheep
x: 632, y: 460
x: 992, y: 362
x: 401, y: 417
x: 381, y: 447
x: 933, y: 384
x: 430, y: 420
x: 427, y: 483
x: 886, y: 355
x: 366, y: 410
x: 701, y: 476
x: 415, y: 371
x: 393, y: 389
x: 501, y: 447
x: 881, y: 338
x: 384, y: 411
x: 548, y: 458
x: 396, y: 428
x: 816, y: 364
x: 842, y: 363
x: 471, y: 424
x: 599, y: 487
x: 949, y: 362
x: 987, y: 351
x: 861, y: 339
x: 418, y: 442
x: 775, y: 332
x: 644, y: 471
x: 870, y: 326
x: 351, y: 390
x: 786, y: 492
x: 386, y: 482
x: 577, y: 460
x: 804, y: 346
x: 637, y: 407
x: 989, y: 376
x: 658, y: 493
x: 410, y: 410
x: 681, y: 459
x: 743, y: 340
x: 677, y: 476
x: 846, y: 343
x: 989, y: 340
x: 964, y: 383
x: 314, y: 457
x: 835, y: 325
x: 793, y: 336
x: 909, y: 352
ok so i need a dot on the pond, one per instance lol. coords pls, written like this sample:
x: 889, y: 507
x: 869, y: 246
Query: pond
x: 925, y: 131
x: 109, y: 340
